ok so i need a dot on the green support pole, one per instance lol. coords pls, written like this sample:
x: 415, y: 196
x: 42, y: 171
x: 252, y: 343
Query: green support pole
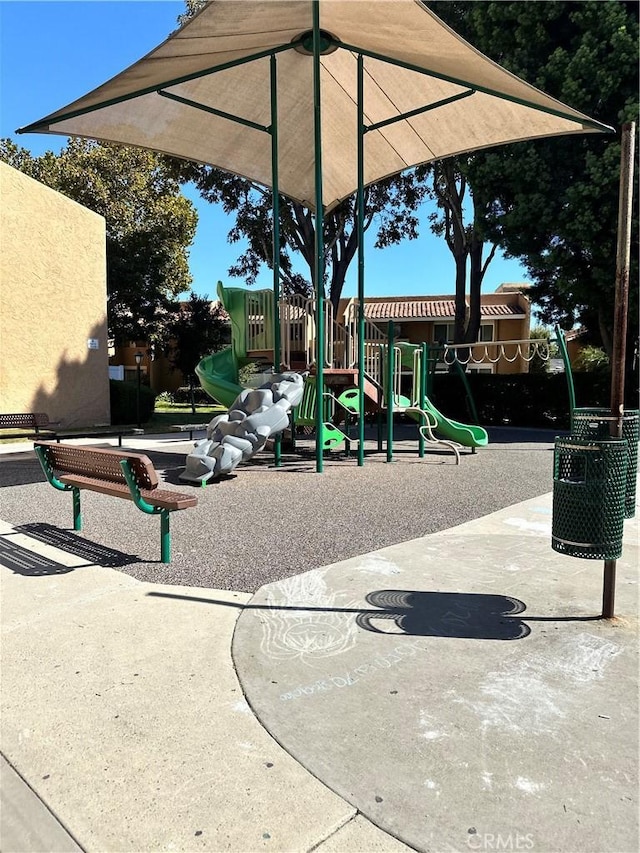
x: 319, y: 258
x: 293, y: 429
x: 77, y: 515
x: 165, y: 537
x: 360, y: 227
x: 277, y: 355
x: 562, y: 346
x: 423, y: 393
x: 391, y: 358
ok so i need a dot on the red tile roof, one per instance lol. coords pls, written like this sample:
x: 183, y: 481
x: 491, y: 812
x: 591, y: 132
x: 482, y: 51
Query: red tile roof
x: 430, y: 309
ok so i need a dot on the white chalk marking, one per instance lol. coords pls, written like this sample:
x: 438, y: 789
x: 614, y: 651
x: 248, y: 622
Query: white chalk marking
x: 377, y: 565
x: 528, y: 785
x: 541, y: 527
x: 531, y: 695
x: 306, y: 621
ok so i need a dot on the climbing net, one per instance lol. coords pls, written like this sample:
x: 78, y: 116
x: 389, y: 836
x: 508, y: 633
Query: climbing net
x: 491, y: 352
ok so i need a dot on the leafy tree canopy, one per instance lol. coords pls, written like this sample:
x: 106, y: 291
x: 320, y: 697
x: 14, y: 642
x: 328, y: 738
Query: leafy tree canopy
x: 391, y: 204
x: 150, y: 225
x: 197, y: 327
x: 555, y: 201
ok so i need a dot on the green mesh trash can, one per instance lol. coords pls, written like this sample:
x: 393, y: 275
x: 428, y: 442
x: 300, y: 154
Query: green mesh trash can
x: 589, y: 482
x: 595, y: 423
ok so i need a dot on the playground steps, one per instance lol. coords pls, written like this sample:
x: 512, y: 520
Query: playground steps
x: 337, y: 379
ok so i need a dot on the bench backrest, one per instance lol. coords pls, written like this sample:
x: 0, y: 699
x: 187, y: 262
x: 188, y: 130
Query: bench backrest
x: 24, y: 420
x: 99, y: 463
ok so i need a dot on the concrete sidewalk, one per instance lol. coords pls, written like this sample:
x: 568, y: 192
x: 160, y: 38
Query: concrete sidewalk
x: 377, y: 705
x: 122, y: 713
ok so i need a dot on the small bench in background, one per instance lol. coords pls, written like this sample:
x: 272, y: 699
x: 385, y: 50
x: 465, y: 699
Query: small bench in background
x: 190, y: 428
x: 120, y: 474
x: 100, y: 433
x: 32, y: 424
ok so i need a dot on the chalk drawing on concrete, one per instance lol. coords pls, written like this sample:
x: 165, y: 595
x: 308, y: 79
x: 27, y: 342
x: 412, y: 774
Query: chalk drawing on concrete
x: 375, y: 564
x: 528, y: 785
x: 428, y: 729
x: 538, y: 528
x: 432, y: 786
x: 530, y: 696
x: 305, y: 620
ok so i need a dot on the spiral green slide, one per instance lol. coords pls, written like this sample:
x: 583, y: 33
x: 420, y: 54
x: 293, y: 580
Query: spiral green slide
x: 218, y: 372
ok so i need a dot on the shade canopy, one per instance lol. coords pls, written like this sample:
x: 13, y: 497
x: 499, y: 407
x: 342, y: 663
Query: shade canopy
x: 176, y: 98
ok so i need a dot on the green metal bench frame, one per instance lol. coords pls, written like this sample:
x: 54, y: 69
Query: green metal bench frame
x: 136, y: 480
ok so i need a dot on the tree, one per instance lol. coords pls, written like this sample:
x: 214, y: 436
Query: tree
x: 150, y: 225
x: 540, y: 361
x: 463, y: 235
x: 554, y: 203
x: 392, y: 204
x: 196, y: 328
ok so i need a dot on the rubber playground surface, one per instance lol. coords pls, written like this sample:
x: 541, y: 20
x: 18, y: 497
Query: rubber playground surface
x: 262, y: 524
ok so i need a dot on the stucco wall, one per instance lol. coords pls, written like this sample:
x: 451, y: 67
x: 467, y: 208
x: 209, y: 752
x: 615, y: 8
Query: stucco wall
x: 52, y: 304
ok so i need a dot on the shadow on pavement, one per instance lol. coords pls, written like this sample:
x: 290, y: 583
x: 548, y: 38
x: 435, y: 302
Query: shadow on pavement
x: 22, y: 561
x: 20, y: 469
x: 475, y: 616
x: 419, y: 614
x: 71, y: 543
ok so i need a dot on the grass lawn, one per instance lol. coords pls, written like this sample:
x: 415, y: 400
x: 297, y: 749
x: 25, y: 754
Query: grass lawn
x: 167, y: 414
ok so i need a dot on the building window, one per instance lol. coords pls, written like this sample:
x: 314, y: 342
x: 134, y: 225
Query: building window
x: 442, y: 332
x: 445, y: 332
x: 486, y: 332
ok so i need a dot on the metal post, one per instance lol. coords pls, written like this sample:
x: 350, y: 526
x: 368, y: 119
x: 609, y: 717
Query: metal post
x: 391, y: 358
x: 165, y: 537
x: 562, y: 346
x: 77, y: 516
x: 423, y: 393
x: 360, y: 232
x: 319, y: 247
x: 277, y: 356
x: 623, y: 253
x: 138, y: 357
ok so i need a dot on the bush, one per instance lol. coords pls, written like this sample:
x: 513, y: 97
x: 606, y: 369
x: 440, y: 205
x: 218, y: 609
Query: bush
x: 165, y: 397
x: 124, y: 397
x: 592, y: 360
x: 247, y: 371
x: 524, y: 400
x: 183, y: 395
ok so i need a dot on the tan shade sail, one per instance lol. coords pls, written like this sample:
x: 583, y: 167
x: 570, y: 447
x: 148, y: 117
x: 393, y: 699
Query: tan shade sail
x: 412, y: 60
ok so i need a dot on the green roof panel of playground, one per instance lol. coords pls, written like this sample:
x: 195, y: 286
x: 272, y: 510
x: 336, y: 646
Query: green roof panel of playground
x: 428, y: 94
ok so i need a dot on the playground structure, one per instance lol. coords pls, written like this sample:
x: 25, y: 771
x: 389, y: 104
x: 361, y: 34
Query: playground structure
x: 398, y: 378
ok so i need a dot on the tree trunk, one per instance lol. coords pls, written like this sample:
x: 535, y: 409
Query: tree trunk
x: 192, y: 395
x: 476, y: 275
x: 460, y: 319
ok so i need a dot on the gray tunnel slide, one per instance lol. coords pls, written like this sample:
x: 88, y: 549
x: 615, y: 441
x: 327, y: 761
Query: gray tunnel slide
x: 254, y: 416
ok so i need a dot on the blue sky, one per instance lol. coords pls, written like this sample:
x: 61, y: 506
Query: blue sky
x: 53, y: 52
